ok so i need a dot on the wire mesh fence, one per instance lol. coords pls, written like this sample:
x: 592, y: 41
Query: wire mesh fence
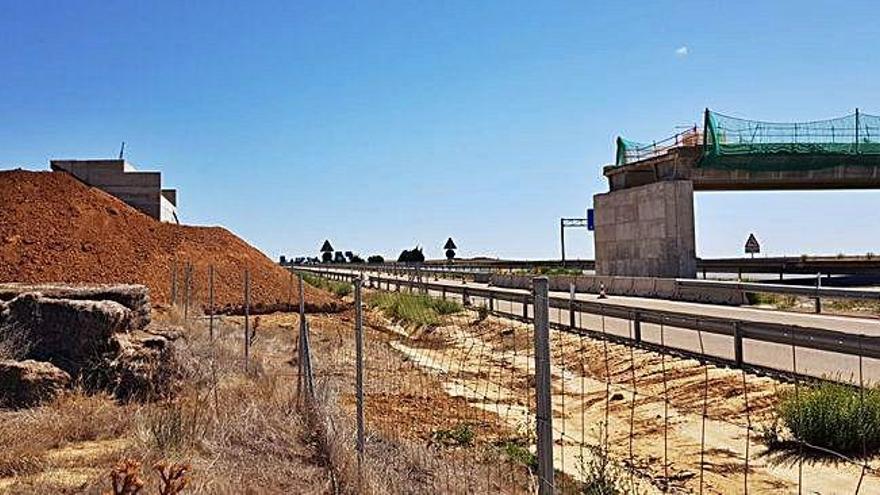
x: 452, y: 397
x: 460, y: 390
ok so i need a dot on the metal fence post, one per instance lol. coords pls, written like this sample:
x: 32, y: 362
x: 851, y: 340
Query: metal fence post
x: 359, y: 380
x: 247, y: 331
x: 818, y: 286
x: 211, y: 302
x: 571, y: 322
x: 543, y: 410
x: 289, y: 292
x: 187, y: 283
x: 305, y: 383
x: 174, y: 283
x: 525, y: 305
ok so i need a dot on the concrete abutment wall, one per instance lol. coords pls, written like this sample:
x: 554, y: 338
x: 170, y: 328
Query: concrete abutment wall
x: 646, y: 231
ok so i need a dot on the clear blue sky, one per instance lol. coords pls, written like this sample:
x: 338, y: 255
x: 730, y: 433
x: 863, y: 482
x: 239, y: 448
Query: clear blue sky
x: 380, y: 125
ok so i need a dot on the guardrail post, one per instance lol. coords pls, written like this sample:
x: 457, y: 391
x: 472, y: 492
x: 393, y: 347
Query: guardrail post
x: 737, y: 343
x: 571, y: 322
x: 525, y: 305
x: 443, y: 292
x: 465, y: 300
x: 637, y: 326
x: 491, y: 302
x: 543, y: 410
x: 818, y: 286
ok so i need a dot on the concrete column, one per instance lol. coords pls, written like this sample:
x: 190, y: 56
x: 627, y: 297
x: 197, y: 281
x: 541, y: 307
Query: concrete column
x: 646, y: 231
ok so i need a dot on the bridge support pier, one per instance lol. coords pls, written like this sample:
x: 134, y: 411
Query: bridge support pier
x: 646, y: 231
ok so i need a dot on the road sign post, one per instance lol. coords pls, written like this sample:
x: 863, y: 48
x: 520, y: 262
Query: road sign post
x: 752, y: 245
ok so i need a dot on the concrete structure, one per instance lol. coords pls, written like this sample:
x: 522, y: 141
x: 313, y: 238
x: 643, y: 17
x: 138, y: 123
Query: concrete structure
x: 140, y: 190
x: 682, y: 163
x: 645, y: 224
x: 646, y: 231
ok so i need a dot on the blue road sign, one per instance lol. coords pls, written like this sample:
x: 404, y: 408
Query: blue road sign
x: 590, y: 222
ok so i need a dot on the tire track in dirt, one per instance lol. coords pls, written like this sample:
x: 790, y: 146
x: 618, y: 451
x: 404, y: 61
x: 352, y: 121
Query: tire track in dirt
x: 487, y: 363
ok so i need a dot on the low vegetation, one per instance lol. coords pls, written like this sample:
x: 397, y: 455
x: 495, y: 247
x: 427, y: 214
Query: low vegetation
x: 462, y: 435
x: 601, y: 476
x: 227, y: 431
x: 550, y: 271
x: 831, y: 416
x: 415, y: 309
x: 340, y: 289
x: 776, y: 300
x: 517, y: 450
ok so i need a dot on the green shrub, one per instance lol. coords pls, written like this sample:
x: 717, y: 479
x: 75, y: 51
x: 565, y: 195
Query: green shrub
x: 340, y: 289
x: 444, y: 306
x: 519, y: 453
x: 833, y: 416
x: 416, y: 309
x: 601, y: 477
x: 776, y: 300
x: 462, y: 435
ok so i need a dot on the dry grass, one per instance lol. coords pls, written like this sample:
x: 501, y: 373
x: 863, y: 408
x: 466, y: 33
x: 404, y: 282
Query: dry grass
x: 238, y: 430
x: 409, y: 416
x: 30, y: 437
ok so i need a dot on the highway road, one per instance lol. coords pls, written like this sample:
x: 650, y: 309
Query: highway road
x: 770, y: 355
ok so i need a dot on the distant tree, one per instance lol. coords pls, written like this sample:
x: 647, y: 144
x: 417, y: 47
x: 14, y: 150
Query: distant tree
x: 339, y: 257
x: 349, y: 255
x: 375, y: 259
x: 326, y: 257
x: 282, y: 260
x: 356, y: 259
x: 413, y: 255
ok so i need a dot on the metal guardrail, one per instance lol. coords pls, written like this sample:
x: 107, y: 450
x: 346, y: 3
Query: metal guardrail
x: 745, y: 287
x: 792, y: 290
x: 777, y: 333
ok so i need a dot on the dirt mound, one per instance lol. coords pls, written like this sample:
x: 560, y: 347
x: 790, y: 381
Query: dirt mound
x: 54, y: 228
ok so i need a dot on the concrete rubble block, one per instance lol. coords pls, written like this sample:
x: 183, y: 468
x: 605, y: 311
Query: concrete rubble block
x: 134, y: 297
x: 30, y: 383
x: 140, y: 366
x: 68, y: 333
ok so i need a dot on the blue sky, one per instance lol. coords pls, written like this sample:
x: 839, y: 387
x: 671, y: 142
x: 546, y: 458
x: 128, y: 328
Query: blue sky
x: 380, y: 125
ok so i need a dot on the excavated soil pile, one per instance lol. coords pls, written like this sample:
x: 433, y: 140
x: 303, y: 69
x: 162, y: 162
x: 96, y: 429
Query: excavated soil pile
x: 54, y: 228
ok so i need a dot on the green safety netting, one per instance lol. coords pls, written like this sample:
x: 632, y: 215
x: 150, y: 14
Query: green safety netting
x: 632, y: 151
x: 733, y: 143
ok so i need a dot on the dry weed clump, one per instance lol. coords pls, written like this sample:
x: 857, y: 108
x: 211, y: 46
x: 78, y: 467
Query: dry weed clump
x: 125, y: 478
x: 239, y: 429
x: 175, y: 427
